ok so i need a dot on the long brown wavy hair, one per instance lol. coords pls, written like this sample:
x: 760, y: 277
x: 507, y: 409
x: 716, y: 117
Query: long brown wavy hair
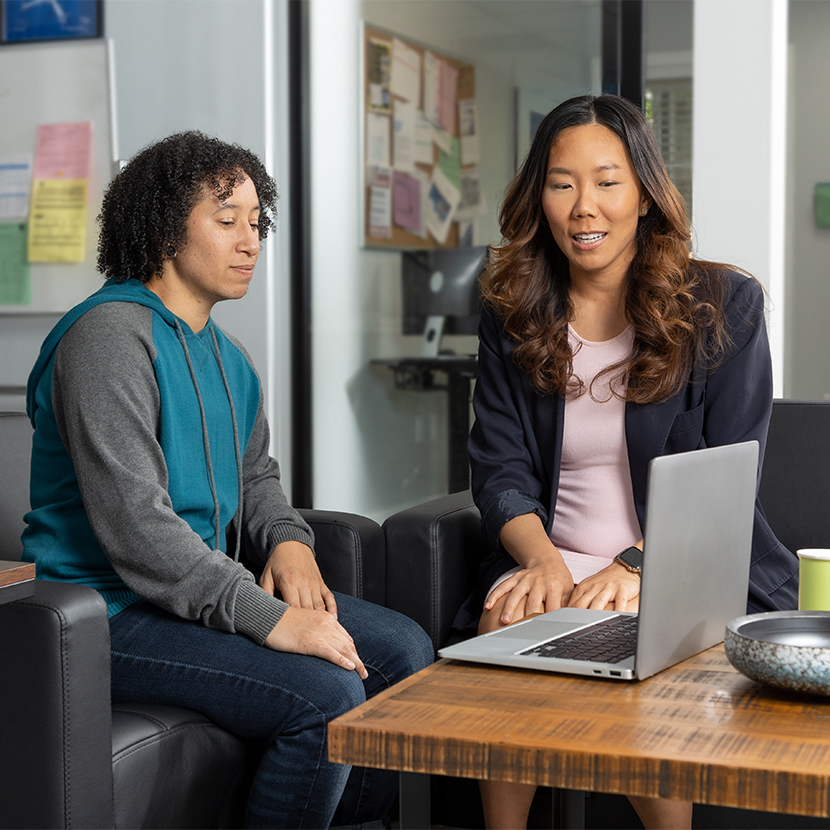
x: 673, y: 303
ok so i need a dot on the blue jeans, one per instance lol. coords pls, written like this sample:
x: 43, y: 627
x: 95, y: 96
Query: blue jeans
x: 285, y: 700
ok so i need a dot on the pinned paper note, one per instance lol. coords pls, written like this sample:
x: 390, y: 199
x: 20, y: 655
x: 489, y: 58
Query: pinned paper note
x: 377, y: 140
x: 450, y: 163
x: 432, y: 88
x: 58, y: 212
x: 403, y: 129
x: 379, y: 63
x: 15, y: 280
x: 15, y: 186
x: 406, y: 72
x: 407, y: 201
x: 449, y: 83
x: 468, y: 131
x: 442, y: 202
x: 380, y: 202
x: 63, y: 151
x: 57, y: 223
x: 422, y: 149
x: 473, y: 202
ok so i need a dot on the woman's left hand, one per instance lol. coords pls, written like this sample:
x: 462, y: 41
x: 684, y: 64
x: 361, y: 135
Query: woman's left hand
x: 614, y: 588
x: 292, y: 572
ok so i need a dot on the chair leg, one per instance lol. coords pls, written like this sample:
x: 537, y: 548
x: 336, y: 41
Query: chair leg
x: 568, y: 809
x: 414, y: 801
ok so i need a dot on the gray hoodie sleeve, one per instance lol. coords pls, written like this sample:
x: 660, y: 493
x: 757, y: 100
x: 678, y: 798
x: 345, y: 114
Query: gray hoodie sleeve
x: 106, y: 404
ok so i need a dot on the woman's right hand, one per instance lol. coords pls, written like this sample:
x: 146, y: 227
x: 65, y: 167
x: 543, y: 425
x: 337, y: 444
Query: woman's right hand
x: 543, y: 585
x: 317, y: 633
x: 544, y: 582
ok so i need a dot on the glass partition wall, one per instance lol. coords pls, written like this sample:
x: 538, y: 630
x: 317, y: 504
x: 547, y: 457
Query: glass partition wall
x: 382, y: 432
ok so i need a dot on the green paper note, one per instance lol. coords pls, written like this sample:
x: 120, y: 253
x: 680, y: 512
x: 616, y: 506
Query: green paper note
x: 15, y: 281
x: 451, y: 164
x: 823, y: 205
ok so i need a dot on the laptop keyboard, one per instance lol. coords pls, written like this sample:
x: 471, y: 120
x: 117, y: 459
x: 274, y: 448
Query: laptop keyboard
x: 609, y: 641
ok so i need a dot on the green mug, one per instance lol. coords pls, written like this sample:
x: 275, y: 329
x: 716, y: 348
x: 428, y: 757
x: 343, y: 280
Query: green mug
x: 814, y: 579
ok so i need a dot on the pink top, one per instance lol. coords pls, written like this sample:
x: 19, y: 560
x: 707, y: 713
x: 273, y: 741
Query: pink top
x: 595, y: 518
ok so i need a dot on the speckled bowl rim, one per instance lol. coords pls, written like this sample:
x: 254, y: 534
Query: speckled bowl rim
x: 794, y: 675
x: 734, y: 625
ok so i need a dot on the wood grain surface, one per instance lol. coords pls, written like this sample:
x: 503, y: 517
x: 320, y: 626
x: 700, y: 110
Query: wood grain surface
x: 699, y: 731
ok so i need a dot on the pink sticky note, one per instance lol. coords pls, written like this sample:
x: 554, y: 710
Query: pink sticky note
x: 407, y: 201
x: 63, y: 151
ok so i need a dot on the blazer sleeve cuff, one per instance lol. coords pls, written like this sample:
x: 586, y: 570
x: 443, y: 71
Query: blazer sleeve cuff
x: 505, y: 506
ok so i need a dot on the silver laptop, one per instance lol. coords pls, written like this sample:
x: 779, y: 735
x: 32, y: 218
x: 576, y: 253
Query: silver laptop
x: 699, y: 518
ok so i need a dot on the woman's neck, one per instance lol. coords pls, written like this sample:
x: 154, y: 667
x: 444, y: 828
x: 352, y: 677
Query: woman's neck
x: 599, y: 308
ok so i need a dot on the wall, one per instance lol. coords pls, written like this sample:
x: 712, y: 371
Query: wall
x: 740, y: 69
x: 808, y: 266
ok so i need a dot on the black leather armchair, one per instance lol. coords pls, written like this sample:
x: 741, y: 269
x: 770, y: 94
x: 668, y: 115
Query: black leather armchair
x: 68, y: 758
x: 433, y: 551
x: 434, y: 548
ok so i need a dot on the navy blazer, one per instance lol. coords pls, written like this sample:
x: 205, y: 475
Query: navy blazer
x: 515, y: 445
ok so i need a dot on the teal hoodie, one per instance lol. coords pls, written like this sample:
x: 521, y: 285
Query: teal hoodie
x: 135, y: 470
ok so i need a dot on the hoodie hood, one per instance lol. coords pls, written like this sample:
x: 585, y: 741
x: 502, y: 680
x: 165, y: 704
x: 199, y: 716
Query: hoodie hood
x: 132, y: 291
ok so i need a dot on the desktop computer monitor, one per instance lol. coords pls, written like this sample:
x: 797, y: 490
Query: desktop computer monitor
x: 441, y: 293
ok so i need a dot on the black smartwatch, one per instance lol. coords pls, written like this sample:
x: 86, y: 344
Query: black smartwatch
x: 631, y: 559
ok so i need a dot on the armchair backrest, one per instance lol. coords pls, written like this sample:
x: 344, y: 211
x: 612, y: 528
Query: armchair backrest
x: 795, y: 482
x: 15, y: 457
x: 433, y: 551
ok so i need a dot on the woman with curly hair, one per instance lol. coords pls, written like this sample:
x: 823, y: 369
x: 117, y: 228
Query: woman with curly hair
x: 603, y: 343
x: 151, y: 474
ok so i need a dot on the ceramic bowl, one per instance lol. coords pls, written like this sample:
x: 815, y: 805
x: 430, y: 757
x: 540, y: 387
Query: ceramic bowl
x: 786, y: 649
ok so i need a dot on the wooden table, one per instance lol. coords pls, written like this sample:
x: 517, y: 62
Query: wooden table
x: 699, y: 731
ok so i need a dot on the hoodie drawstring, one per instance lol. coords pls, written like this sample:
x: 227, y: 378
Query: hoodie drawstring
x: 206, y: 440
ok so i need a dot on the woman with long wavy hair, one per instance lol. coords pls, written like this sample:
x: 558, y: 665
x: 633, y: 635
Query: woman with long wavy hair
x: 603, y: 344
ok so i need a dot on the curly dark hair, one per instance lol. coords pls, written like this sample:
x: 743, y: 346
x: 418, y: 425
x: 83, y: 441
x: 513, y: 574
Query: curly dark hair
x: 145, y: 209
x: 674, y: 303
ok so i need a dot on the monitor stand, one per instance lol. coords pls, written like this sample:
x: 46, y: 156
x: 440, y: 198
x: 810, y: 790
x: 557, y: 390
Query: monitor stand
x: 433, y: 331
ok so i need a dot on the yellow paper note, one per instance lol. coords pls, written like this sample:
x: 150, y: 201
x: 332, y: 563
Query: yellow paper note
x: 57, y: 223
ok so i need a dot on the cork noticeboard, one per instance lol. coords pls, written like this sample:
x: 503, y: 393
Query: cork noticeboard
x: 420, y: 143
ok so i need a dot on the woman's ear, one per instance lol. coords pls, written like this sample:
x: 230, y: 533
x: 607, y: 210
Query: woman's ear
x: 645, y: 204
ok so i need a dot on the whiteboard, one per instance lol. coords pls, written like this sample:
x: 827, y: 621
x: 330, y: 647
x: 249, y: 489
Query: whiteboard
x: 49, y: 83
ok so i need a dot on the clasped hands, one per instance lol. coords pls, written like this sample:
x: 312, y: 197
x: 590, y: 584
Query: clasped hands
x: 309, y: 625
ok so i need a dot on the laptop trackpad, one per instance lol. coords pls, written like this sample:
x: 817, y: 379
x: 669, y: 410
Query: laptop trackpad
x: 535, y: 630
x: 553, y: 624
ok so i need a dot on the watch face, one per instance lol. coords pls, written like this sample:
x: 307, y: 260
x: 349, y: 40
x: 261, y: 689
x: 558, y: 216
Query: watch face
x: 633, y: 557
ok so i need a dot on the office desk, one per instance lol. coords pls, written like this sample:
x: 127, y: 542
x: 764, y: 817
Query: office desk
x: 699, y: 731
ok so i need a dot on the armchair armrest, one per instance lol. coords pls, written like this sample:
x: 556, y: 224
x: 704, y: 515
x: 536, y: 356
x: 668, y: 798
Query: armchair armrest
x: 55, y: 736
x: 350, y: 553
x: 433, y: 553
